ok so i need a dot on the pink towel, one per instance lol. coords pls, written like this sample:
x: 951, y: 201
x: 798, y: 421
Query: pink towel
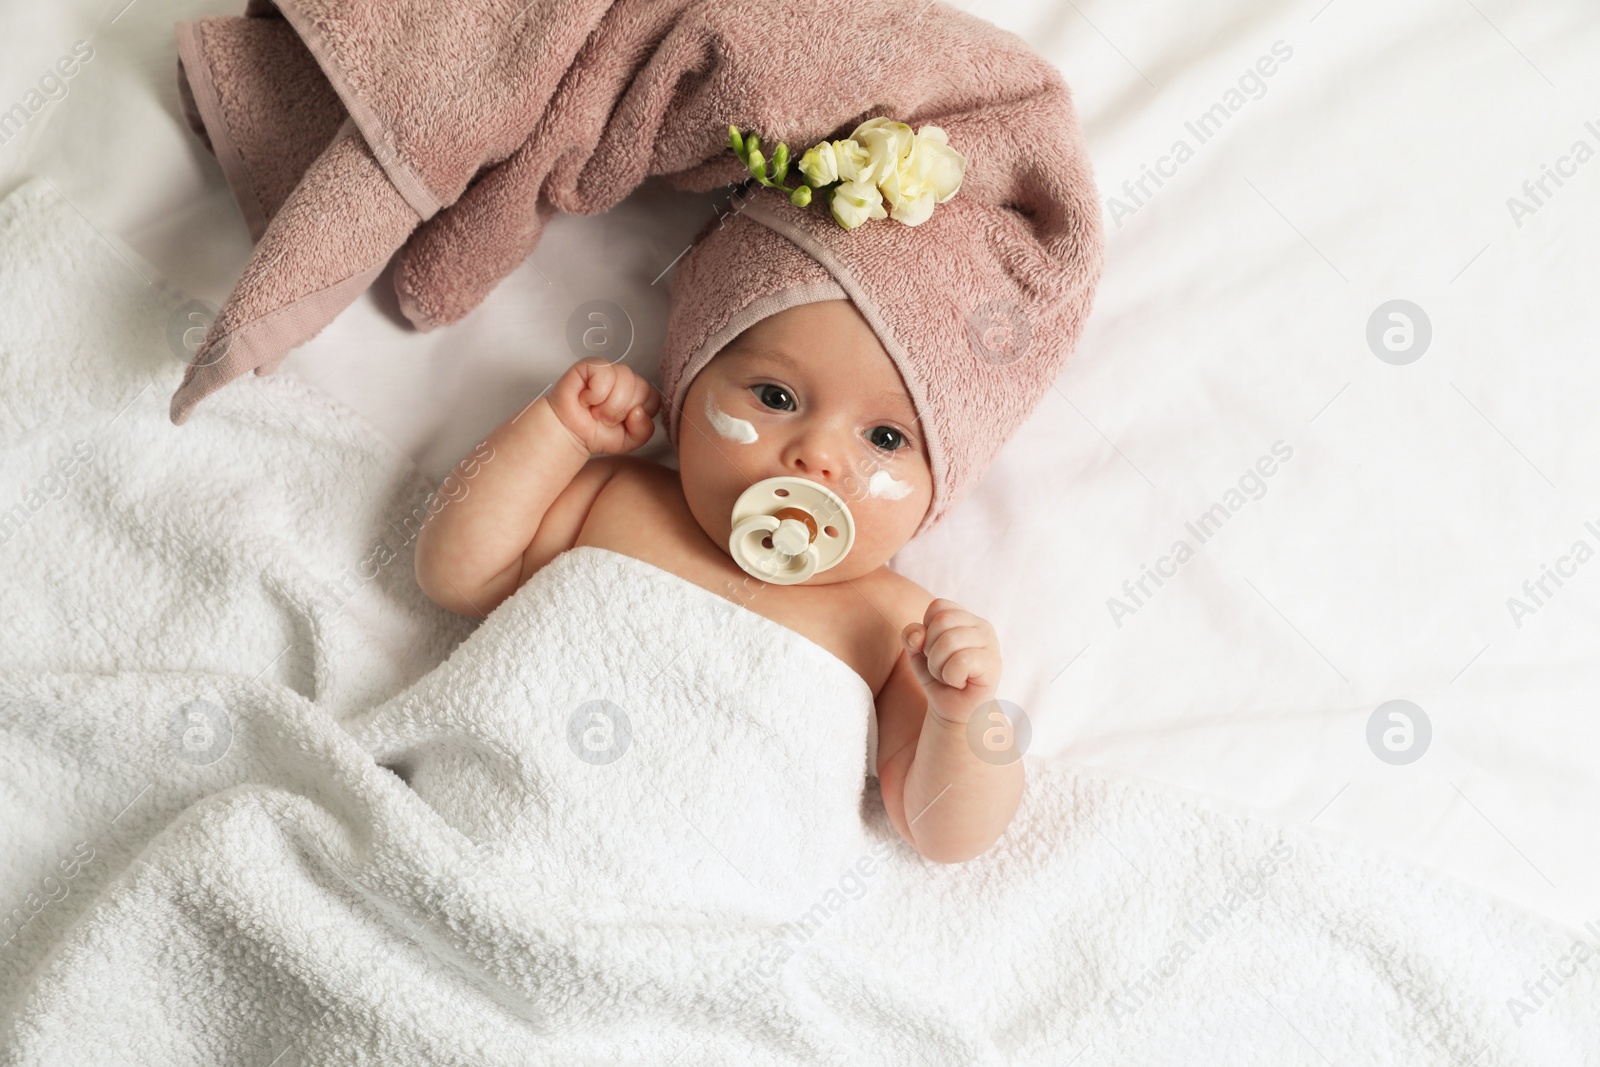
x: 451, y: 131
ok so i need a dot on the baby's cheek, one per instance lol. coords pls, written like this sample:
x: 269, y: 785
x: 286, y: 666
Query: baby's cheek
x: 853, y: 487
x: 883, y: 485
x: 884, y: 525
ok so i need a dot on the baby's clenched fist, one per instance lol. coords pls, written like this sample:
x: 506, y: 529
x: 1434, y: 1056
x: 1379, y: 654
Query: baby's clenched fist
x: 607, y: 407
x: 956, y: 657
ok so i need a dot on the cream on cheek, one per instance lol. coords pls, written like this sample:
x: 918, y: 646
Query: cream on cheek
x: 740, y: 430
x: 886, y: 486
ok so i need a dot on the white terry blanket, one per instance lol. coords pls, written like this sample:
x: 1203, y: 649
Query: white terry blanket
x: 591, y: 693
x: 256, y: 545
x: 206, y: 861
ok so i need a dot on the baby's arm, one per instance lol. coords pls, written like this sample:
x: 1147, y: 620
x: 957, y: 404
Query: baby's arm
x: 940, y: 794
x: 527, y: 502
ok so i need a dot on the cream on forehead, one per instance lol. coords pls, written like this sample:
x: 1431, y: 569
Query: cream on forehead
x: 741, y: 430
x: 885, y: 485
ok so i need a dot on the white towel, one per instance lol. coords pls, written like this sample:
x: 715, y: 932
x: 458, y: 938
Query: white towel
x: 601, y: 680
x: 272, y: 539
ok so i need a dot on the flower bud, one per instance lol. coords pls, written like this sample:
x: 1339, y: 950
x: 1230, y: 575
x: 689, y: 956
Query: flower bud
x: 801, y: 197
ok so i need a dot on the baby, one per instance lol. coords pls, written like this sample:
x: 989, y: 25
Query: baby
x: 808, y: 392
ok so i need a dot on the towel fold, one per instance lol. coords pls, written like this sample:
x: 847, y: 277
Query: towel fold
x: 664, y: 694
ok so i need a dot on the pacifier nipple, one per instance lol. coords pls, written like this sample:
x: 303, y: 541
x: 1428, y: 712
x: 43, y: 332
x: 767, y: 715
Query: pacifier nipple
x: 787, y: 529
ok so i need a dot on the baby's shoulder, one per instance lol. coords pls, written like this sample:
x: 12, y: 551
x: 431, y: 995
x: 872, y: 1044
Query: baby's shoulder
x: 632, y: 468
x: 901, y: 599
x: 629, y: 481
x: 640, y: 511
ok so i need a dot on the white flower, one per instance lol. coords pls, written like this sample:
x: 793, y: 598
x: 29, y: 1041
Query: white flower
x: 930, y: 174
x: 852, y: 159
x: 832, y: 161
x: 820, y: 165
x: 887, y: 144
x: 855, y: 202
x: 881, y: 161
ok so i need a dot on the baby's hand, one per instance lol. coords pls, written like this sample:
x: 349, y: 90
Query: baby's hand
x: 956, y: 657
x: 607, y: 406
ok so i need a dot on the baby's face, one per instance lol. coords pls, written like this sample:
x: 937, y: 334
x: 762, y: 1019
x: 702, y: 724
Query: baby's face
x: 808, y: 393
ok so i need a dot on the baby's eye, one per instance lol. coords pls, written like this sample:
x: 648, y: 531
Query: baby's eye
x: 887, y: 438
x: 774, y: 396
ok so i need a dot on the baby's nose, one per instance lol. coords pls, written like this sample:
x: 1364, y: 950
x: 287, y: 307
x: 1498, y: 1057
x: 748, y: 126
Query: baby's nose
x: 817, y: 462
x: 819, y: 453
x: 818, y: 467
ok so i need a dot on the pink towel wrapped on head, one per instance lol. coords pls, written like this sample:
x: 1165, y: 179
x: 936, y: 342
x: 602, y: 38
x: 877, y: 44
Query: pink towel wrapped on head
x: 450, y: 132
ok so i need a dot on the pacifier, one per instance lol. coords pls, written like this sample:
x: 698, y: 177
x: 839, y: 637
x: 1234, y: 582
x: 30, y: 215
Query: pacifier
x: 787, y: 529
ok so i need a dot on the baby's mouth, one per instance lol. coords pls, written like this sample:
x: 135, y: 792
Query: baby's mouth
x: 786, y: 529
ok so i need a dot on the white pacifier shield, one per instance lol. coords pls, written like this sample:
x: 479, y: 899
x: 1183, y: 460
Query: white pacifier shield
x: 785, y: 549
